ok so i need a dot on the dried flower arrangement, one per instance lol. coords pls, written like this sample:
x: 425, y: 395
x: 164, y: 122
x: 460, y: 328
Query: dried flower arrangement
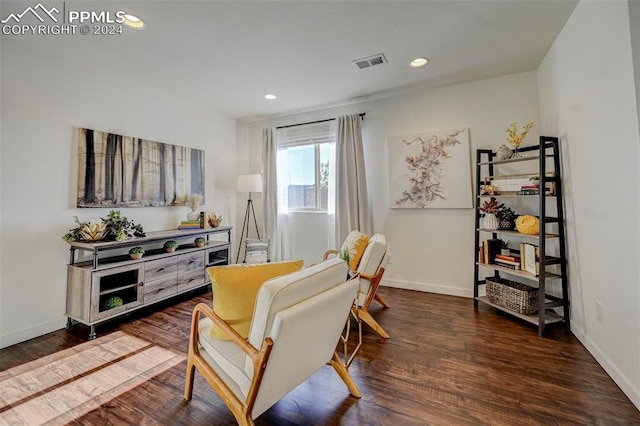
x: 194, y: 201
x: 516, y: 138
x: 491, y: 206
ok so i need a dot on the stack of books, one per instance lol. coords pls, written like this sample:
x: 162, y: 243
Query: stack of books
x: 510, y: 261
x: 190, y: 224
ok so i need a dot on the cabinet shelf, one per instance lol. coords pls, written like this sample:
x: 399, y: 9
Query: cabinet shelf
x: 90, y: 284
x: 118, y: 289
x: 546, y: 155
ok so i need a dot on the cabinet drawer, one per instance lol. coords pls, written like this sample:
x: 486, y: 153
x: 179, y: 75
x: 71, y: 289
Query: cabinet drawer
x: 190, y: 279
x: 190, y: 262
x: 160, y: 288
x: 161, y: 268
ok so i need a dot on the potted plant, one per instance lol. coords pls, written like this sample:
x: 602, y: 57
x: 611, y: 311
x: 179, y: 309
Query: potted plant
x: 506, y: 218
x: 113, y: 302
x: 489, y: 208
x: 136, y: 252
x: 170, y: 246
x: 504, y: 247
x: 214, y: 220
x: 199, y: 242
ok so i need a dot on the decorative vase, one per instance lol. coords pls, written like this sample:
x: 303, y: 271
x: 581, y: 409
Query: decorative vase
x: 193, y: 216
x: 136, y: 256
x: 506, y: 225
x: 516, y: 153
x: 490, y: 221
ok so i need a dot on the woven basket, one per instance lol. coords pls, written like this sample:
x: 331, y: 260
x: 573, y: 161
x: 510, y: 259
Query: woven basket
x: 512, y: 295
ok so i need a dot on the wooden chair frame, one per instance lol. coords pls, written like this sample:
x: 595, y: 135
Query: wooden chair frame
x: 260, y: 359
x: 362, y: 313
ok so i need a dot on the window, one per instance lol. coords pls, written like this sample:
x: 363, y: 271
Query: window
x: 305, y: 159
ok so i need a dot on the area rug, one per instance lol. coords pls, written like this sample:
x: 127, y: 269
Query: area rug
x: 64, y: 386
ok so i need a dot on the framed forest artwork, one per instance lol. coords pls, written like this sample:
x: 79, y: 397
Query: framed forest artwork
x: 124, y: 171
x: 430, y: 170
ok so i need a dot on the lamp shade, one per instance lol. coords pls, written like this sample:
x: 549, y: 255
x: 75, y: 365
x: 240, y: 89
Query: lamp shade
x: 250, y: 183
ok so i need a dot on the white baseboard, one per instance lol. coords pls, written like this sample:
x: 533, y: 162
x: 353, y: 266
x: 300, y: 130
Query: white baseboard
x: 428, y: 288
x: 31, y: 332
x: 609, y: 367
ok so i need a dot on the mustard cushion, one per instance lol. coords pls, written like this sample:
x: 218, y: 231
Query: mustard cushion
x: 528, y: 224
x: 235, y: 288
x: 355, y: 243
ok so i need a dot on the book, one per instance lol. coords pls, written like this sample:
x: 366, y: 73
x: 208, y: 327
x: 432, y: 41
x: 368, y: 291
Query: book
x: 507, y: 262
x: 507, y: 265
x: 189, y: 225
x: 511, y: 258
x: 530, y: 258
x: 190, y: 222
x: 491, y: 248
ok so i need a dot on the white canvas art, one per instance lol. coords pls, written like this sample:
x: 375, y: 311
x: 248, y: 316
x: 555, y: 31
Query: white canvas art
x: 430, y: 170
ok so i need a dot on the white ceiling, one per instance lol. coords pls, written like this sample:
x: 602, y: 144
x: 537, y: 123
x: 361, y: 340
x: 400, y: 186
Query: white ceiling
x: 227, y: 55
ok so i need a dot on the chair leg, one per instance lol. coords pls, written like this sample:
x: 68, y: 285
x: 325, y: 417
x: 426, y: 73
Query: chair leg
x: 344, y: 375
x: 381, y: 301
x: 367, y: 318
x: 188, y: 383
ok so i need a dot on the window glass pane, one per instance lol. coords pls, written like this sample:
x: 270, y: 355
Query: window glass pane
x: 301, y: 180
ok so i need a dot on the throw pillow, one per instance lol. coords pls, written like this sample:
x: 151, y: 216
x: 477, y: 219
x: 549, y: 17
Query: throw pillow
x: 256, y: 251
x: 355, y: 243
x: 235, y: 288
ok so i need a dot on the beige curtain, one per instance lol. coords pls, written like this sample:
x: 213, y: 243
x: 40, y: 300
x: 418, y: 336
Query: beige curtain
x: 352, y: 199
x: 275, y: 217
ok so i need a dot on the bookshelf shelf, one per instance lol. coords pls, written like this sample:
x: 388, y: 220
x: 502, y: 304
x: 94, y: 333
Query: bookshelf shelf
x: 550, y: 254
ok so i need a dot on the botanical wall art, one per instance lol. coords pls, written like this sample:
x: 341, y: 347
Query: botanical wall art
x: 123, y: 171
x: 430, y: 170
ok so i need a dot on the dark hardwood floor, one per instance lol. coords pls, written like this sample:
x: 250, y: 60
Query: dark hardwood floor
x: 445, y: 364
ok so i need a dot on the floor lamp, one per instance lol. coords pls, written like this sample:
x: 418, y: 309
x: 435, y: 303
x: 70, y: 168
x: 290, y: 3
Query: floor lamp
x: 248, y: 183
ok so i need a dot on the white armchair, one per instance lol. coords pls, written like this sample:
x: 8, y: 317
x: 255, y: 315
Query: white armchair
x: 370, y: 269
x: 297, y: 322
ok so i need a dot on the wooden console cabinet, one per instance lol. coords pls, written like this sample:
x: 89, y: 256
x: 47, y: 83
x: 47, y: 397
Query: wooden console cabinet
x: 157, y: 276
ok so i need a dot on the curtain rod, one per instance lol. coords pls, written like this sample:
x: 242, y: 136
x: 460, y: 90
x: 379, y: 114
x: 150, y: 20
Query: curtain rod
x: 362, y: 114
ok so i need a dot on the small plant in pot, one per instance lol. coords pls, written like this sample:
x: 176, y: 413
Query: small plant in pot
x: 199, y: 242
x: 504, y: 247
x: 136, y: 252
x: 506, y: 218
x: 170, y: 246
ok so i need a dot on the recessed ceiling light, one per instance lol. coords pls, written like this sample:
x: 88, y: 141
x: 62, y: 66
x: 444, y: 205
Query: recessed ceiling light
x: 419, y: 62
x: 134, y: 22
x: 270, y: 96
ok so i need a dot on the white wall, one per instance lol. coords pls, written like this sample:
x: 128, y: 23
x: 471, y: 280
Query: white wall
x: 432, y: 248
x: 43, y: 99
x: 634, y: 23
x: 587, y: 97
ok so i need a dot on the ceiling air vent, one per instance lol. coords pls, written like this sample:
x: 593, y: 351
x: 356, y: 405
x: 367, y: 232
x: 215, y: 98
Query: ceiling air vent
x: 370, y: 61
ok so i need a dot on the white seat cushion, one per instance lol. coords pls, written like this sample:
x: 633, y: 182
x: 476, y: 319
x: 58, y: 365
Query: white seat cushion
x: 226, y: 354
